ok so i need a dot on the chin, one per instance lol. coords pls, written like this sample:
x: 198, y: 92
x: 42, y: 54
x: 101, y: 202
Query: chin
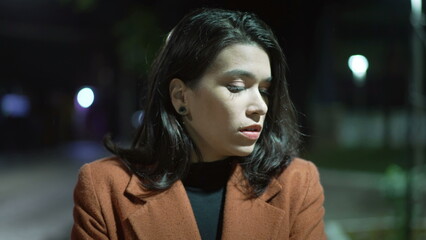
x: 244, y: 151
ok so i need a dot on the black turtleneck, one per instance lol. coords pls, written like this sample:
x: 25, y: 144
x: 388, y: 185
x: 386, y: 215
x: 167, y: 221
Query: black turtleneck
x: 205, y: 185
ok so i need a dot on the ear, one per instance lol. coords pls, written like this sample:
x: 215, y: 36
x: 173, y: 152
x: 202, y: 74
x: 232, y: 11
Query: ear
x: 177, y: 91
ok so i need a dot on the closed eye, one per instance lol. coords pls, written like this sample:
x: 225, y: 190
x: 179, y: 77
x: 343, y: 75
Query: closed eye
x: 264, y: 91
x: 235, y: 89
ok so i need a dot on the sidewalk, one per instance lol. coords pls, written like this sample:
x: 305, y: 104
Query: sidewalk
x: 36, y: 191
x: 36, y: 200
x: 355, y: 205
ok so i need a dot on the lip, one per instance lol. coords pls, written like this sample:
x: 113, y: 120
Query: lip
x: 251, y: 132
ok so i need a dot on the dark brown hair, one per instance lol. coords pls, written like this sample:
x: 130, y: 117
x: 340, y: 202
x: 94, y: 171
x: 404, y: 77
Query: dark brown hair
x: 161, y: 150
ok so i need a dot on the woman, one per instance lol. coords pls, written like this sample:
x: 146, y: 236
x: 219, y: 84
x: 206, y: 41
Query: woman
x: 215, y: 155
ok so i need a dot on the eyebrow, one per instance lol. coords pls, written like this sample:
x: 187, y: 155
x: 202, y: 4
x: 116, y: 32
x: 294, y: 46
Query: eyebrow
x: 244, y: 73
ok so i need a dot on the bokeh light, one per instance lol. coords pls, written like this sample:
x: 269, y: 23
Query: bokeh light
x: 15, y: 105
x: 358, y: 65
x: 85, y: 97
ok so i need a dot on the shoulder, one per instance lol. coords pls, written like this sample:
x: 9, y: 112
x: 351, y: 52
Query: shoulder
x: 299, y: 170
x: 301, y: 164
x: 106, y: 171
x: 107, y: 166
x: 100, y: 199
x: 299, y: 182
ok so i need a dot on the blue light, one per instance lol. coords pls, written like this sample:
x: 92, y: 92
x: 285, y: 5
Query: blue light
x: 15, y: 105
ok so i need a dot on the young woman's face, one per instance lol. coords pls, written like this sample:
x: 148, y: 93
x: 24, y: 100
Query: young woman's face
x: 227, y: 108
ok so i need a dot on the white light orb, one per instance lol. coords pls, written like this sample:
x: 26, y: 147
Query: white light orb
x: 358, y: 65
x: 416, y: 9
x: 85, y: 97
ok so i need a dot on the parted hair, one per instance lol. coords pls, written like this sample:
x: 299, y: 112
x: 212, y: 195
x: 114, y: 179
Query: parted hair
x: 161, y: 150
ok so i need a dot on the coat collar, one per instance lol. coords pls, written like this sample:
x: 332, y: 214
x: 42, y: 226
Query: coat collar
x: 250, y: 218
x: 168, y: 215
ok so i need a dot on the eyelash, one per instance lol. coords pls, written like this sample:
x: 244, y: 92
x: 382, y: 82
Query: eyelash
x: 237, y: 89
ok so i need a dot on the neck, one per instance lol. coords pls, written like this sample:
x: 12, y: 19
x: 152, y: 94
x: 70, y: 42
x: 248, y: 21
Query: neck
x: 202, y: 158
x: 209, y: 176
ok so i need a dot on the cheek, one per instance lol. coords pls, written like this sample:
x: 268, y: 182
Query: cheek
x: 216, y: 105
x: 226, y: 109
x: 201, y: 108
x: 218, y: 110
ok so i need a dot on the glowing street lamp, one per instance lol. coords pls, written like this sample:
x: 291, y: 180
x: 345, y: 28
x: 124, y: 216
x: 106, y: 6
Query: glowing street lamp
x: 416, y: 10
x: 83, y: 100
x: 358, y: 65
x: 85, y: 97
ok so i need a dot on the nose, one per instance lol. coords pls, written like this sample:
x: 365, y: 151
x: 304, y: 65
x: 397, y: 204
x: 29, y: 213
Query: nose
x: 258, y: 104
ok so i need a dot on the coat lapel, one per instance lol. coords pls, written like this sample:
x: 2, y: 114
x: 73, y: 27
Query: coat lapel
x: 250, y: 218
x: 167, y: 215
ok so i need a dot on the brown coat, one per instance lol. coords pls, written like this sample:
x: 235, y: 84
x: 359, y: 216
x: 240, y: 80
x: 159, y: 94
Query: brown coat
x: 108, y: 205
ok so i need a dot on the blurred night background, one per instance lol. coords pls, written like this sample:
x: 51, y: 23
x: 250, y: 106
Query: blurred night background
x: 364, y: 129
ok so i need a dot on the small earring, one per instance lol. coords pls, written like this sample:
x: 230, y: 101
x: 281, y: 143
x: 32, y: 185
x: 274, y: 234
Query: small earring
x: 182, y: 110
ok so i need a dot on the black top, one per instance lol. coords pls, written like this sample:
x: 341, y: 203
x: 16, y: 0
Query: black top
x: 205, y: 185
